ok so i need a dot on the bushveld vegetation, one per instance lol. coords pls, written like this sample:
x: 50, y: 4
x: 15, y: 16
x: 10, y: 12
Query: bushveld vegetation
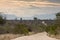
x: 53, y: 29
x: 21, y: 29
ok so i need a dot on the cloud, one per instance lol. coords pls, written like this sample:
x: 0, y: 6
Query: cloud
x: 30, y: 0
x: 28, y: 9
x: 31, y: 11
x: 53, y: 1
x: 16, y: 4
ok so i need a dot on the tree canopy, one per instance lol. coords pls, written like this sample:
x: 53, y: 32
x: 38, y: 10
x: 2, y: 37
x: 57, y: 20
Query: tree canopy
x: 2, y: 20
x: 58, y: 14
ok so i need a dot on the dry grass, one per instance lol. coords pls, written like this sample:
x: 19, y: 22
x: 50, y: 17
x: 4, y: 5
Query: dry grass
x: 38, y: 36
x: 55, y: 36
x: 12, y: 36
x: 9, y: 36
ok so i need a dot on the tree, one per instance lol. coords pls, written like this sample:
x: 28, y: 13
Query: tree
x: 2, y: 20
x: 16, y: 19
x: 57, y: 22
x: 58, y: 14
x: 20, y: 20
x: 35, y: 18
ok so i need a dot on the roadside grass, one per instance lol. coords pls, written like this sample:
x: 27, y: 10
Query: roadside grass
x: 9, y: 36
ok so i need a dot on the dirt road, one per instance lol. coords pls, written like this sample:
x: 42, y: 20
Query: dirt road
x: 38, y: 36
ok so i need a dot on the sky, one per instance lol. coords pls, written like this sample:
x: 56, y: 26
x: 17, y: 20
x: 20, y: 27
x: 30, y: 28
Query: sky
x: 27, y: 9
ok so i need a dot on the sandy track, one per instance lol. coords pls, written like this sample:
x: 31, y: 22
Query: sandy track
x: 39, y: 36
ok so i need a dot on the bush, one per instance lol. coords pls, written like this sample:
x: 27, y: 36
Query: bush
x: 38, y: 28
x: 51, y: 29
x: 1, y: 30
x: 6, y: 29
x: 21, y: 29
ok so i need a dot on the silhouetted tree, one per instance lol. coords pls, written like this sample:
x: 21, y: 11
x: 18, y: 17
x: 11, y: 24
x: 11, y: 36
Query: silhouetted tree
x: 15, y: 19
x: 58, y: 14
x: 2, y: 20
x: 35, y: 18
x: 20, y: 20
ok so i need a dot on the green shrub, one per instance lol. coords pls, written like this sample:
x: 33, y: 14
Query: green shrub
x: 6, y: 29
x: 2, y: 31
x: 51, y: 29
x: 38, y: 28
x: 21, y: 29
x: 54, y: 29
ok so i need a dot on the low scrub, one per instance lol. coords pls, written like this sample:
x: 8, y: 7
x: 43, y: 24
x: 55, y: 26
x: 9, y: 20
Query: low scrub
x: 21, y: 29
x: 51, y: 29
